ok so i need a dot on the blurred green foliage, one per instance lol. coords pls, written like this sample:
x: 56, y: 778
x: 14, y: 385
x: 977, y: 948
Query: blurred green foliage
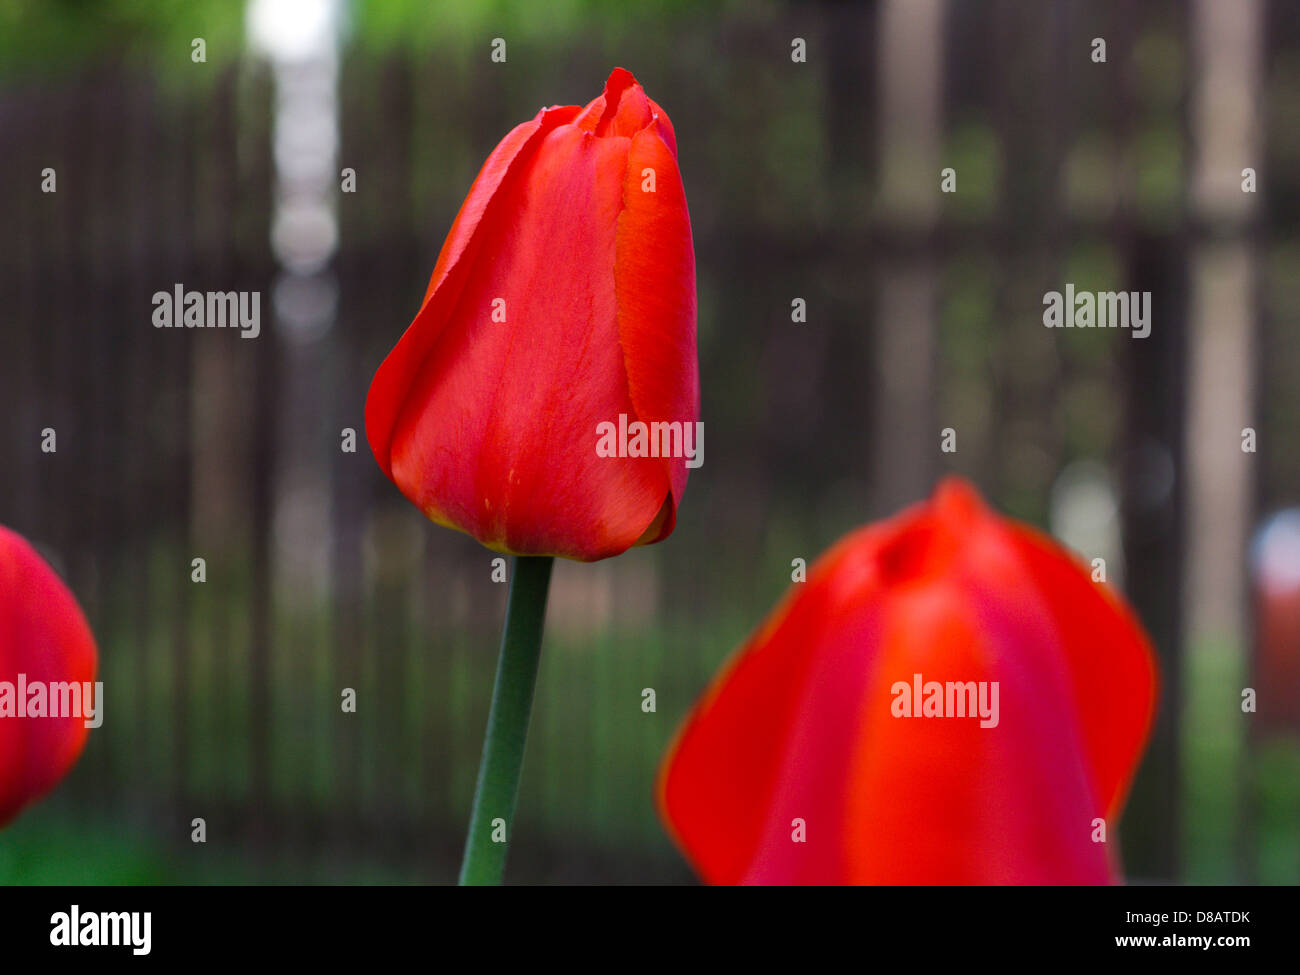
x: 49, y: 38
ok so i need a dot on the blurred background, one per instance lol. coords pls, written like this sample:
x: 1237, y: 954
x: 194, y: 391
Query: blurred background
x: 817, y: 180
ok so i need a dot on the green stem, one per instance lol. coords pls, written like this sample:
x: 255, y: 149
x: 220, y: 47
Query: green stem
x: 507, y: 728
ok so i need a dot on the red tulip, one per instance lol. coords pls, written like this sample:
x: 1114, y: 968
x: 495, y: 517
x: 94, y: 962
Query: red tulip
x: 563, y: 298
x: 801, y: 730
x: 45, y: 639
x: 1275, y: 577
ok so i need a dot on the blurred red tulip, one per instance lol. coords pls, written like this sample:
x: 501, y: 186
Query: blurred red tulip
x: 44, y: 640
x: 795, y: 767
x: 564, y: 297
x: 1275, y: 576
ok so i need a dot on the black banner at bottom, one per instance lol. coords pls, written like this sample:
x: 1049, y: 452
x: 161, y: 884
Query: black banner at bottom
x: 330, y: 925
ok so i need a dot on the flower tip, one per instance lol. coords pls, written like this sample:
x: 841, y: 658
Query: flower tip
x: 622, y: 109
x: 956, y: 500
x: 618, y: 79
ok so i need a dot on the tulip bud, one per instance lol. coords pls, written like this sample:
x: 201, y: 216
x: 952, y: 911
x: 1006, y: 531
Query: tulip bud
x: 563, y: 300
x: 44, y: 644
x: 947, y: 699
x: 1275, y: 577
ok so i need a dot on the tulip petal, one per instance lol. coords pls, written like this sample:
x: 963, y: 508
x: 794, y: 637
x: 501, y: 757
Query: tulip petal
x: 1110, y: 661
x: 480, y: 444
x: 655, y: 282
x: 665, y: 126
x: 724, y: 767
x: 393, y: 379
x: 43, y: 636
x: 953, y: 800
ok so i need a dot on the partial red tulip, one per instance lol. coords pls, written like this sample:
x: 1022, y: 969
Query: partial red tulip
x: 45, y: 646
x: 948, y: 699
x: 562, y: 307
x: 1275, y: 575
